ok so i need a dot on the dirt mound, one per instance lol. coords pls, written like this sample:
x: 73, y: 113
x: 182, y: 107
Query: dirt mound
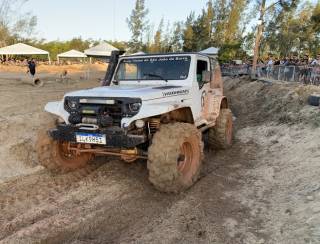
x: 272, y: 102
x: 282, y: 187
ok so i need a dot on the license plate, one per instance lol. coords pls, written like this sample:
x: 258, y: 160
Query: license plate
x: 91, y: 138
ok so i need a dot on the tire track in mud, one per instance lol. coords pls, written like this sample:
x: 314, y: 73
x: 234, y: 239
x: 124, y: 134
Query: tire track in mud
x: 114, y: 203
x: 200, y: 214
x: 223, y: 173
x: 26, y: 192
x: 68, y: 207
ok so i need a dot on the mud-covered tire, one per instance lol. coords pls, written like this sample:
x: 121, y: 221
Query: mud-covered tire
x: 169, y: 169
x: 51, y: 155
x: 220, y: 136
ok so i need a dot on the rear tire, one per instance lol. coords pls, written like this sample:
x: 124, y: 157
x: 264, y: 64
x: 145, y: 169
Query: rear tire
x: 220, y: 136
x: 54, y: 155
x: 175, y: 157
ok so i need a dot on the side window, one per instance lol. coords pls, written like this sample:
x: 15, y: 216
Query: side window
x: 201, y: 66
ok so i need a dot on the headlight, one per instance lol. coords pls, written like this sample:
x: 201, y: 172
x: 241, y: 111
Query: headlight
x: 134, y: 107
x: 71, y: 104
x: 139, y: 123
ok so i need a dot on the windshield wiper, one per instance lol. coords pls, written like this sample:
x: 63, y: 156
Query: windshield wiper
x: 156, y: 76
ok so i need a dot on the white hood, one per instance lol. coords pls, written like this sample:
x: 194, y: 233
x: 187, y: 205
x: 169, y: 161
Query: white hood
x: 143, y: 92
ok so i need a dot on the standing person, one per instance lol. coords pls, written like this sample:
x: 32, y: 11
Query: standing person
x: 261, y: 68
x: 315, y: 70
x: 32, y: 67
x: 304, y: 69
x: 269, y: 67
x: 316, y: 61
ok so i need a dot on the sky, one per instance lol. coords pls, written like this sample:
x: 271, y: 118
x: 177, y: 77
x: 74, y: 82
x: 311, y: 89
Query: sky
x: 101, y: 19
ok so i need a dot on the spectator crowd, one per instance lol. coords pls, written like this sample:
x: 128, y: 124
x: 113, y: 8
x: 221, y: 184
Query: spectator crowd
x: 293, y: 61
x: 303, y: 70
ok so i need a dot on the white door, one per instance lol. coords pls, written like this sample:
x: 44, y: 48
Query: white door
x: 201, y: 90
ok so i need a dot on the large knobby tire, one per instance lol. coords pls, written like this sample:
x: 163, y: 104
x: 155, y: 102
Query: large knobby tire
x: 54, y: 155
x: 220, y: 136
x: 175, y: 157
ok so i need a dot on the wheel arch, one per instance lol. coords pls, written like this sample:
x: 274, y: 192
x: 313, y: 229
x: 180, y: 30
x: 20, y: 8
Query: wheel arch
x: 224, y: 103
x: 183, y: 114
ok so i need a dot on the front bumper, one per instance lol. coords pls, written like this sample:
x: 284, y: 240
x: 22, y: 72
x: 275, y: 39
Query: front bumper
x: 116, y: 137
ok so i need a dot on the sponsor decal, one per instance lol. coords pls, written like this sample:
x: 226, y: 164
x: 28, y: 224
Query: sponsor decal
x: 158, y: 59
x: 175, y: 93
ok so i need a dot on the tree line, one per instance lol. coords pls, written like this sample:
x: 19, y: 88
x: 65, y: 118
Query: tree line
x: 289, y: 27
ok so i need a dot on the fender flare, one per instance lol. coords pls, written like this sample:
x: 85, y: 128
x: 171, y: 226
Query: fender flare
x: 221, y: 102
x: 57, y: 109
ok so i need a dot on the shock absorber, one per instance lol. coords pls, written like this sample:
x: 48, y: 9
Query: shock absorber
x: 154, y: 125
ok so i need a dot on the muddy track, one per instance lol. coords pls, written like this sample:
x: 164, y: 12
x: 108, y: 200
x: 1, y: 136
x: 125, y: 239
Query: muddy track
x: 43, y: 186
x: 241, y: 197
x: 112, y: 202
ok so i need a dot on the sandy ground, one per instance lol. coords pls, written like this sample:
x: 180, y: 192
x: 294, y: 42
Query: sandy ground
x: 265, y: 189
x: 53, y: 72
x: 42, y: 68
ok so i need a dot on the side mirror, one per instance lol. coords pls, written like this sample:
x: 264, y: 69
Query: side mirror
x: 206, y: 76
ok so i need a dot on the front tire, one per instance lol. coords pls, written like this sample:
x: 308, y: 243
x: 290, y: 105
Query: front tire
x: 175, y: 157
x: 56, y: 157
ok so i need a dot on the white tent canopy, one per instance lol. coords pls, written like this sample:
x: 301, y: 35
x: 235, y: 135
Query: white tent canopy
x: 211, y: 51
x: 102, y: 50
x: 22, y: 49
x: 71, y: 54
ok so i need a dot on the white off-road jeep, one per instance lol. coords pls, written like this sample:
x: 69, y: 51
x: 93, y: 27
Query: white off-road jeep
x: 154, y: 107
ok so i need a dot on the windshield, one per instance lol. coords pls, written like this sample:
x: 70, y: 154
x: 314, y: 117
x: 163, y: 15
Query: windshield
x: 154, y: 68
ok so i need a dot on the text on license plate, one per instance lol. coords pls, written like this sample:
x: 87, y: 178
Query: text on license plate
x: 91, y: 138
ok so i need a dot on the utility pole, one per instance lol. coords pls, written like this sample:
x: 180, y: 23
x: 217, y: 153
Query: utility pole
x: 258, y: 37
